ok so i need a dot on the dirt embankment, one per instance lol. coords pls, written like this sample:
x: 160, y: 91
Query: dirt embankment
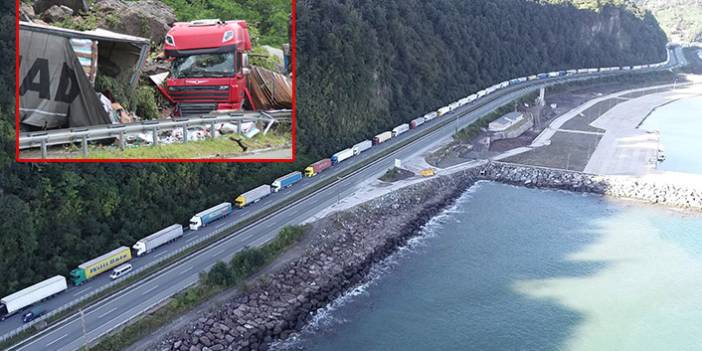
x: 347, y: 244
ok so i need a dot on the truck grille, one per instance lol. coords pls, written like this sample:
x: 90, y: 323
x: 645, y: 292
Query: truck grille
x: 198, y: 94
x: 196, y: 109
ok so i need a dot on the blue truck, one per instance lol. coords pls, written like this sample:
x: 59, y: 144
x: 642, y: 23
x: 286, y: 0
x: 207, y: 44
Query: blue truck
x: 210, y: 215
x: 286, y: 181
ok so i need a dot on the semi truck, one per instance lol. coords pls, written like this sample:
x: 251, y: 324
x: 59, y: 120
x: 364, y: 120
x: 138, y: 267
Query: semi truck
x: 317, y: 167
x: 253, y: 195
x: 400, y: 129
x: 442, y: 111
x: 26, y: 297
x: 157, y: 239
x: 210, y: 215
x: 286, y: 181
x: 417, y: 122
x: 362, y: 146
x: 209, y: 65
x: 101, y: 264
x: 429, y: 116
x: 341, y: 156
x: 382, y: 137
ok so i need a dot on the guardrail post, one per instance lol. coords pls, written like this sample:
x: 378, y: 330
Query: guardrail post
x: 212, y: 130
x: 84, y: 145
x: 155, y: 136
x: 121, y: 140
x: 185, y: 133
x: 270, y: 124
x: 44, y: 153
x: 238, y: 127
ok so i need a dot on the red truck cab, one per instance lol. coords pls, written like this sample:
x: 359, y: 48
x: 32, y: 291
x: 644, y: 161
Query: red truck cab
x: 208, y: 61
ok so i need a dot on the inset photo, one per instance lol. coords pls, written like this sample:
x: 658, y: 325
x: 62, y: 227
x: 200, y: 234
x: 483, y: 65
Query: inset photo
x: 155, y: 81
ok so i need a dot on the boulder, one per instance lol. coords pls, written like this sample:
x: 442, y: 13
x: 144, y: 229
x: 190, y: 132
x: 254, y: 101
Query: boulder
x: 75, y: 5
x: 144, y: 18
x: 56, y: 13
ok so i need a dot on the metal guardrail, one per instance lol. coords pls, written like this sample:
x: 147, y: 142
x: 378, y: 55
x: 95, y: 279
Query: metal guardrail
x: 107, y: 286
x: 85, y: 134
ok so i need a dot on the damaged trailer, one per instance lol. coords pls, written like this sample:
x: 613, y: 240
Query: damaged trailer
x: 58, y: 66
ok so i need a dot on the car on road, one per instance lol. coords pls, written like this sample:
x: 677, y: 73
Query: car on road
x: 33, y: 314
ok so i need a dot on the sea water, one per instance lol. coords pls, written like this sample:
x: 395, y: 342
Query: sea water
x: 512, y: 268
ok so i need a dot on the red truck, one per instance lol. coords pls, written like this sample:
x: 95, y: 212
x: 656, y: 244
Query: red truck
x: 208, y: 63
x: 317, y: 167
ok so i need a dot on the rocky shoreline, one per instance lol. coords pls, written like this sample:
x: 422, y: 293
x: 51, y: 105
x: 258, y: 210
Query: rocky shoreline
x: 654, y: 190
x: 347, y: 245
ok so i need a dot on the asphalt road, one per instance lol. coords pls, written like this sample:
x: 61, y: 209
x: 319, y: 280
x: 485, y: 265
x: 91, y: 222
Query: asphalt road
x: 106, y: 315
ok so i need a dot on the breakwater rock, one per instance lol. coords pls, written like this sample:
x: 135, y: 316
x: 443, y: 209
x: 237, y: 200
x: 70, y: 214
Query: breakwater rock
x: 665, y: 189
x: 346, y: 245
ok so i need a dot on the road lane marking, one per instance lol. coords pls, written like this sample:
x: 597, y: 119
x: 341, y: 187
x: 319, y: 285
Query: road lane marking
x: 150, y: 290
x: 161, y: 254
x: 106, y: 313
x: 81, y: 291
x: 185, y: 270
x: 57, y: 339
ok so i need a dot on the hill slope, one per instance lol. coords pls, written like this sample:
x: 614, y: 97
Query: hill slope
x: 681, y: 19
x: 363, y: 66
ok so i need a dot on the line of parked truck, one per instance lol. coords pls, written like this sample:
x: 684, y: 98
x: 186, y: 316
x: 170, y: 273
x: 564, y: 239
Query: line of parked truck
x: 117, y: 260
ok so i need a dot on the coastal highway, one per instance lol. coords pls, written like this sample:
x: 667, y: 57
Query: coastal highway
x: 100, y: 318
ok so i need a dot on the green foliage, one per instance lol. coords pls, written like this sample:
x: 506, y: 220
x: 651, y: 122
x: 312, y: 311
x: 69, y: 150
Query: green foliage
x: 250, y: 260
x: 681, y: 19
x: 363, y: 67
x: 268, y: 17
x: 260, y: 57
x: 146, y: 106
x: 119, y: 90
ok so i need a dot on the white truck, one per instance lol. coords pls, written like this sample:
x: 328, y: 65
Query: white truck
x: 157, y: 239
x: 382, y: 137
x: 429, y: 116
x: 362, y: 146
x: 26, y: 297
x: 442, y: 111
x: 400, y: 129
x: 342, y: 156
x: 253, y: 195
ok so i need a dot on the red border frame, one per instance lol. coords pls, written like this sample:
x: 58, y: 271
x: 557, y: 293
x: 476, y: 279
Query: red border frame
x: 143, y: 160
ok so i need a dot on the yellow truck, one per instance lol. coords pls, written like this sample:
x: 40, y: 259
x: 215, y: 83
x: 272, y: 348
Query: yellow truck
x: 98, y: 265
x: 429, y: 172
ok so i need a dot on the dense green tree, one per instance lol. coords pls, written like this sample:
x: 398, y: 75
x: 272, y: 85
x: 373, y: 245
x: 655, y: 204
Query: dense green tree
x: 363, y: 67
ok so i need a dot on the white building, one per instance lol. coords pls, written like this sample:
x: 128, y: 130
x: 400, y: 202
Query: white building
x: 505, y: 122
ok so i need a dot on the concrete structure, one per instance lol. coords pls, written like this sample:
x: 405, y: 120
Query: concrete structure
x: 510, y: 126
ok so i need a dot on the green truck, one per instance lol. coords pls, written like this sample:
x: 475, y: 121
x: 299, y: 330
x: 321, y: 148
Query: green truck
x: 98, y: 265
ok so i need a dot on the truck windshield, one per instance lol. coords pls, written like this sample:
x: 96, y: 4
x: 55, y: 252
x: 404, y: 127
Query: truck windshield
x: 204, y: 66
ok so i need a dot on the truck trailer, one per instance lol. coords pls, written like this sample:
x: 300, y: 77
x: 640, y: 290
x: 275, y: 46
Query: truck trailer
x: 342, y: 156
x: 362, y: 146
x: 417, y: 122
x: 253, y: 195
x: 101, y: 264
x: 286, y: 181
x: 157, y: 239
x: 429, y: 116
x: 208, y: 65
x: 400, y: 129
x: 382, y: 137
x: 26, y: 297
x: 210, y: 215
x: 442, y: 111
x: 317, y: 167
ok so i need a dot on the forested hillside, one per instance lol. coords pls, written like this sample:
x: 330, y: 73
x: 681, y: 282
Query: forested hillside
x: 681, y: 19
x: 363, y: 66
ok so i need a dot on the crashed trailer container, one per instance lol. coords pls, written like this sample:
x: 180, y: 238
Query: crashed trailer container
x: 317, y: 167
x: 210, y: 215
x: 400, y: 129
x: 253, y: 195
x: 417, y: 122
x: 98, y: 265
x: 341, y: 156
x: 31, y: 295
x: 382, y: 137
x: 362, y: 146
x: 286, y: 181
x: 157, y: 239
